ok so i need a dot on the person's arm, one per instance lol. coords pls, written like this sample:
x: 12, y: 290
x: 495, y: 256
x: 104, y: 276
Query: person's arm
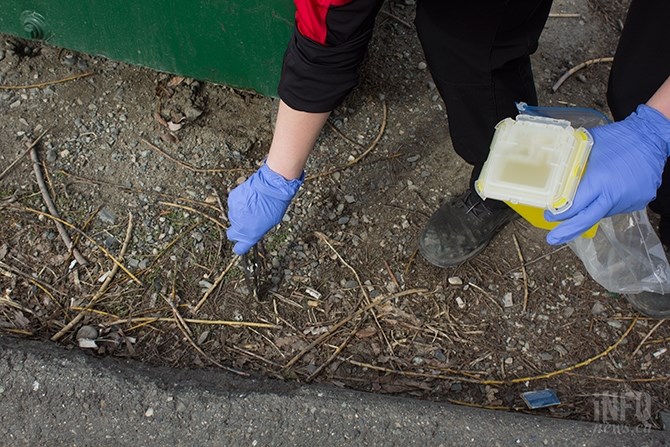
x: 320, y: 68
x: 624, y: 169
x: 295, y: 135
x: 661, y: 99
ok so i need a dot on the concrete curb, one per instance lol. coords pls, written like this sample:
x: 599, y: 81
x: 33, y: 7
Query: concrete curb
x: 61, y: 397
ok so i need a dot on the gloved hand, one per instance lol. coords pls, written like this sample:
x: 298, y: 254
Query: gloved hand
x: 623, y: 173
x: 257, y: 205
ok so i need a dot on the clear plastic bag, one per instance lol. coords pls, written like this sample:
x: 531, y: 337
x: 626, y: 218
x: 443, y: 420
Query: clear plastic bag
x: 625, y: 256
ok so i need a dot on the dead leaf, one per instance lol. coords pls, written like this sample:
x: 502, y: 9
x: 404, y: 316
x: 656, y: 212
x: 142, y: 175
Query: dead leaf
x: 175, y: 81
x: 366, y: 332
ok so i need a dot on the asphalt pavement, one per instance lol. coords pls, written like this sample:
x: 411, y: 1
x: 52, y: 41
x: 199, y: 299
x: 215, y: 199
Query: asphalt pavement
x: 58, y: 397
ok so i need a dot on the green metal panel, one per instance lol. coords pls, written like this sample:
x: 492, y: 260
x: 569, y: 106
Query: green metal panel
x: 236, y: 42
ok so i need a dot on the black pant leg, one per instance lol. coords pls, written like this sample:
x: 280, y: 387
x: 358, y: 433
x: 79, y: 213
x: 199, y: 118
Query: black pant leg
x: 641, y: 65
x: 478, y: 52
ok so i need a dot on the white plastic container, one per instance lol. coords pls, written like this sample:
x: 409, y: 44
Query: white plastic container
x: 535, y: 164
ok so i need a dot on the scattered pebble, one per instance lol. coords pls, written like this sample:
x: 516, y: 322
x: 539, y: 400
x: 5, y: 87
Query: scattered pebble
x: 149, y: 412
x: 598, y: 308
x: 455, y: 281
x: 507, y: 300
x: 88, y: 332
x: 422, y: 65
x: 460, y: 302
x: 107, y: 216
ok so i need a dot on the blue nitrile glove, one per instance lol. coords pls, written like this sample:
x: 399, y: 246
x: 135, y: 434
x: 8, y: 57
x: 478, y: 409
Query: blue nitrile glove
x: 257, y: 205
x: 623, y: 173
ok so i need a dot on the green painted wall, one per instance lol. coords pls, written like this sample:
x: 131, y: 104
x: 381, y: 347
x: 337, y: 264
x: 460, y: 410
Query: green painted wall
x: 236, y: 42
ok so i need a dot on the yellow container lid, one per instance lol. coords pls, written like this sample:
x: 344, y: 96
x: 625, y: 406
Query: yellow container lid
x: 535, y: 161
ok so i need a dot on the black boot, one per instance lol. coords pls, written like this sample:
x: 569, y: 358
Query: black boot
x: 460, y: 229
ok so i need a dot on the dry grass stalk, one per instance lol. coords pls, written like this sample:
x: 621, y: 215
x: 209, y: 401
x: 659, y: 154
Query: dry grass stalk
x: 360, y: 157
x: 337, y: 326
x: 181, y: 324
x: 523, y: 271
x: 48, y: 83
x: 324, y: 238
x: 215, y: 285
x: 90, y: 239
x: 105, y: 284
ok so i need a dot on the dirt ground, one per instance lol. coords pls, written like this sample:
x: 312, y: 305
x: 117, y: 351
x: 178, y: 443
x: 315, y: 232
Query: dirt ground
x: 344, y: 298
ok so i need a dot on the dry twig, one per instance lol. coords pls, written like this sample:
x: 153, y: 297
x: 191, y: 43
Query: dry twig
x: 27, y: 151
x: 646, y: 337
x: 193, y: 210
x: 324, y: 238
x: 360, y: 157
x: 181, y: 324
x: 337, y: 326
x: 186, y: 165
x: 47, y: 83
x: 90, y: 239
x: 52, y: 208
x: 215, y: 285
x: 104, y: 286
x: 523, y: 271
x: 576, y: 68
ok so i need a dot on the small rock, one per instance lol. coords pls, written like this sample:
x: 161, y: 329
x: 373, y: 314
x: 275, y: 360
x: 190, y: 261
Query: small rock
x: 70, y: 60
x: 456, y: 387
x: 418, y: 361
x: 87, y: 332
x: 343, y: 220
x: 422, y: 65
x: 52, y: 155
x: 107, y: 216
x: 439, y: 356
x: 351, y: 284
x: 597, y: 308
x: 192, y: 113
x: 582, y: 78
x: 313, y: 293
x: 509, y: 361
x: 561, y: 350
x: 507, y: 300
x: 149, y: 412
x: 546, y: 356
x: 455, y: 281
x: 111, y: 242
x: 460, y: 302
x: 2, y: 54
x: 180, y: 407
x: 665, y: 420
x: 614, y: 323
x: 349, y: 198
x: 568, y: 311
x: 413, y: 158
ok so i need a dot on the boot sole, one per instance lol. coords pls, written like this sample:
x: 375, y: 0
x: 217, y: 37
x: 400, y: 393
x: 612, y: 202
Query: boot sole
x: 454, y: 261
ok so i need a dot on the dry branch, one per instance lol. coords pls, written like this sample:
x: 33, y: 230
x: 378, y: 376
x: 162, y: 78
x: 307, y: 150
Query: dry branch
x: 52, y: 208
x: 105, y: 284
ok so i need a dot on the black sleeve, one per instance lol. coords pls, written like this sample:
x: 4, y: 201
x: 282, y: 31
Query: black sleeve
x: 316, y: 76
